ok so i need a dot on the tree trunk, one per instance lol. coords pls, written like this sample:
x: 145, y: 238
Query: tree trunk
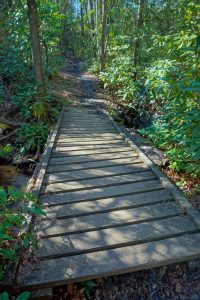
x: 139, y: 25
x: 97, y: 26
x: 93, y: 28
x: 82, y: 21
x: 103, y: 34
x: 35, y: 46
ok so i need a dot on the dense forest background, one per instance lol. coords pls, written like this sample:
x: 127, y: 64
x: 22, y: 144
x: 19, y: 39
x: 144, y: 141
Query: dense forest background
x: 147, y: 55
x: 146, y: 52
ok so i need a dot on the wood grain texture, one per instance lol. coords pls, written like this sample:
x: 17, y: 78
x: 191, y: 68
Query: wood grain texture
x: 93, y: 164
x: 100, y: 182
x: 108, y: 204
x: 84, y: 158
x: 93, y: 173
x: 115, y: 237
x: 99, y: 193
x: 89, y: 152
x: 55, y: 227
x: 120, y: 260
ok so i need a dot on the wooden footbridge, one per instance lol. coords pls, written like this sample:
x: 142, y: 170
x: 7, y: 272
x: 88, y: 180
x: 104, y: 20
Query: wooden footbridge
x: 109, y: 209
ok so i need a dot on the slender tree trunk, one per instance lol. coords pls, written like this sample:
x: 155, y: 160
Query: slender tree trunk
x: 35, y: 45
x: 63, y: 37
x: 139, y: 25
x: 82, y: 22
x: 93, y: 28
x: 97, y: 26
x: 103, y: 34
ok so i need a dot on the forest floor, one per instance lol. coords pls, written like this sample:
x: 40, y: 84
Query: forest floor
x: 177, y: 281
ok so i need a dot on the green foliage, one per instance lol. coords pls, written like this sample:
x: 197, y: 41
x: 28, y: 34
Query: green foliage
x: 164, y: 85
x: 5, y: 151
x: 88, y: 286
x: 16, y: 207
x: 17, y: 83
x: 22, y: 296
x: 30, y: 136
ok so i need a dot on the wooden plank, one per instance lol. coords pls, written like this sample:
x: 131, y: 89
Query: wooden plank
x: 115, y: 261
x: 108, y: 204
x: 80, y: 142
x: 66, y: 148
x: 98, y: 182
x: 88, y: 152
x: 88, y: 123
x: 56, y: 227
x: 85, y: 158
x: 80, y: 127
x: 93, y: 164
x: 87, y: 137
x: 99, y: 193
x: 89, y: 129
x: 115, y: 237
x: 93, y: 173
x: 87, y: 119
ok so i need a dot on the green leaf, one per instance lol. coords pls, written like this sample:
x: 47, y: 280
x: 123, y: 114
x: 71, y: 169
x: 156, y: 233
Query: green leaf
x: 23, y: 296
x: 10, y: 254
x: 3, y: 194
x: 89, y: 283
x: 4, y: 296
x: 13, y: 219
x: 4, y: 236
x: 25, y: 243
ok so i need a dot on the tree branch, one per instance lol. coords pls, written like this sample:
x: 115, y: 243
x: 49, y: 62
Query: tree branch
x: 8, y: 135
x: 10, y: 123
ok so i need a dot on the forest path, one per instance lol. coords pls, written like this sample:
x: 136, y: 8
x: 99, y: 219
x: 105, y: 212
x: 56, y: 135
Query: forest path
x: 109, y: 209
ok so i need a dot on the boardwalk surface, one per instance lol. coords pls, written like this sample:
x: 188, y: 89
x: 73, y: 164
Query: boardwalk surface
x: 109, y: 210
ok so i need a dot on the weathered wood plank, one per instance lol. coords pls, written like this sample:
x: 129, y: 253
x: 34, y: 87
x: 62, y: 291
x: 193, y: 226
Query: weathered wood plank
x: 88, y: 130
x: 80, y: 142
x: 56, y: 227
x: 76, y: 185
x: 92, y: 173
x: 88, y: 152
x: 82, y: 124
x: 66, y: 148
x: 80, y: 127
x: 93, y: 164
x: 115, y: 261
x: 85, y: 158
x: 99, y: 193
x: 115, y: 237
x: 87, y: 136
x: 108, y: 204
